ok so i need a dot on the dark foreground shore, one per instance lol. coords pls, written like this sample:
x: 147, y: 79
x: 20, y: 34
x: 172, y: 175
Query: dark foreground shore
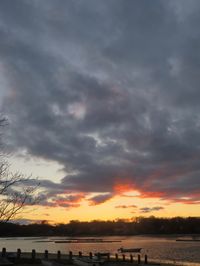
x: 52, y: 259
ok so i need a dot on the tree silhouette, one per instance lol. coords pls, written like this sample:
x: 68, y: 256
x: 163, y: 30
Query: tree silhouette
x: 16, y: 190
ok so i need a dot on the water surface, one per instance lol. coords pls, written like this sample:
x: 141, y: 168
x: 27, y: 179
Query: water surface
x: 159, y: 248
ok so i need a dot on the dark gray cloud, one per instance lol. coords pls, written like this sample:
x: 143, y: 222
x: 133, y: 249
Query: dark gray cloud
x: 147, y: 209
x: 108, y: 89
x: 99, y: 199
x: 54, y: 198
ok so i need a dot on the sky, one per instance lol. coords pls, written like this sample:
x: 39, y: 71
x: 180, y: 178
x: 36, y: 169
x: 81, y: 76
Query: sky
x: 102, y: 99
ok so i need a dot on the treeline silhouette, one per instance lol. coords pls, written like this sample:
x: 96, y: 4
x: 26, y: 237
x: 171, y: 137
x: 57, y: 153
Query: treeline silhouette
x: 140, y: 225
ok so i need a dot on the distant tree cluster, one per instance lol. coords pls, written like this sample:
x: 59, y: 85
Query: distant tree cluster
x: 141, y: 225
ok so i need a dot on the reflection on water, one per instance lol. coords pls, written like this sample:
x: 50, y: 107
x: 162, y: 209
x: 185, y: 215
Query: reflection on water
x: 160, y: 248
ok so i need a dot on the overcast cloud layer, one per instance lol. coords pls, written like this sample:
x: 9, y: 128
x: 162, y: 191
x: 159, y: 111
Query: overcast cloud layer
x: 109, y: 89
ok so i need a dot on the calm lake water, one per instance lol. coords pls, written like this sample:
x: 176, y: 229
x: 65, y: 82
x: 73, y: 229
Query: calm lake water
x: 157, y: 248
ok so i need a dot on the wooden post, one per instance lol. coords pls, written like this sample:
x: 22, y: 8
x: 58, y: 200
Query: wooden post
x: 70, y: 255
x: 80, y: 254
x: 116, y: 256
x: 46, y: 254
x: 108, y: 257
x: 145, y: 259
x: 3, y: 254
x: 139, y: 259
x: 58, y: 255
x: 131, y: 258
x: 123, y: 257
x: 18, y: 253
x: 90, y: 255
x: 33, y: 254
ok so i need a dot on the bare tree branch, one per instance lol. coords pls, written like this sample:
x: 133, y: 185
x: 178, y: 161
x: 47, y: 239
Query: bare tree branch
x: 15, y: 191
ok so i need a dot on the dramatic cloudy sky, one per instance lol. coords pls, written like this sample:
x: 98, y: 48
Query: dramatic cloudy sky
x: 102, y: 99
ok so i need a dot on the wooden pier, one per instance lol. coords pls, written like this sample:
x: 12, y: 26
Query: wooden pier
x: 67, y: 258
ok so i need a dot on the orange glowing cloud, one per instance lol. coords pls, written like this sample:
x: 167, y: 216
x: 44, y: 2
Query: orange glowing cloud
x: 151, y: 194
x: 121, y: 188
x: 63, y: 200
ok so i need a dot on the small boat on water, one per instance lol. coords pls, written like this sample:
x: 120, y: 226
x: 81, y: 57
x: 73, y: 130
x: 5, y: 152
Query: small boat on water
x: 87, y: 262
x: 130, y: 250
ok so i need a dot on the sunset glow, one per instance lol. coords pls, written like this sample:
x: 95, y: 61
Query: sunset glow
x: 101, y: 100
